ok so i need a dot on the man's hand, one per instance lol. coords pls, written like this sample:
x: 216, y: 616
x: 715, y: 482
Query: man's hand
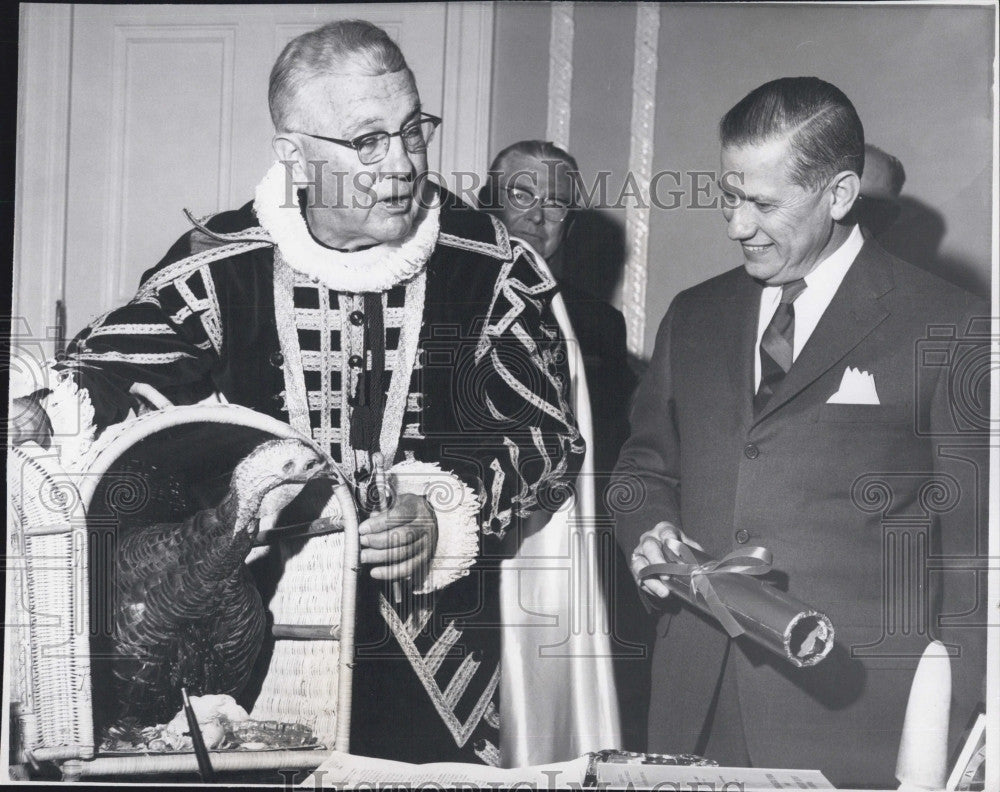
x: 28, y: 421
x: 399, y: 541
x: 650, y: 551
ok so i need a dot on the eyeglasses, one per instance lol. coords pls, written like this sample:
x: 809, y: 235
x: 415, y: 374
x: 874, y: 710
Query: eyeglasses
x: 374, y: 146
x: 522, y: 200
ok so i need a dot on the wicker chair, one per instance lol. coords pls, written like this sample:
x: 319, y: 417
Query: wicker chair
x: 161, y: 467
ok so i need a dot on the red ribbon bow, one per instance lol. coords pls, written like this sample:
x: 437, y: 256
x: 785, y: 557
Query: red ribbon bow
x: 681, y: 562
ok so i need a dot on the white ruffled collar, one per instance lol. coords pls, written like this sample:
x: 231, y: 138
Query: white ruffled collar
x: 374, y: 269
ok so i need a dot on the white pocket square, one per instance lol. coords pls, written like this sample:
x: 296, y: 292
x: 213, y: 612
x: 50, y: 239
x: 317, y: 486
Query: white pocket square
x: 856, y: 387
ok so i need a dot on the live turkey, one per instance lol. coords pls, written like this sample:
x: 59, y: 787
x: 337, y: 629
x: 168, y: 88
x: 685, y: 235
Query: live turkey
x: 186, y: 610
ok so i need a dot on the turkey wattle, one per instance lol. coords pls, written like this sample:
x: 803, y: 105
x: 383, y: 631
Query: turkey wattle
x: 186, y: 610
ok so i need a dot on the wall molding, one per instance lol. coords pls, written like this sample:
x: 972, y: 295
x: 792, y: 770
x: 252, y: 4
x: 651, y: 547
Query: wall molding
x: 560, y: 74
x: 43, y: 96
x: 640, y: 163
x: 467, y: 89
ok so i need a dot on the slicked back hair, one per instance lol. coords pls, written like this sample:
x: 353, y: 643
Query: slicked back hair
x: 822, y: 127
x: 345, y: 47
x: 543, y: 150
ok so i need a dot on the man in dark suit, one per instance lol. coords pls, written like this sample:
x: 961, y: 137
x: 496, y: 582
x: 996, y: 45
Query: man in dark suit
x: 531, y: 187
x: 810, y: 402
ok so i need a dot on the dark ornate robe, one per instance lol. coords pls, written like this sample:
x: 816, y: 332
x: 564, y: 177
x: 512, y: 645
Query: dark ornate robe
x: 472, y: 380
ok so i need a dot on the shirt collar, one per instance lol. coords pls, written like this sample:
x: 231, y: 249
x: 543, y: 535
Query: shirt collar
x: 827, y: 275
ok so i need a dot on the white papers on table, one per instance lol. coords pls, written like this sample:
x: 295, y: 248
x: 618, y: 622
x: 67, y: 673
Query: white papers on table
x: 340, y: 769
x: 745, y: 779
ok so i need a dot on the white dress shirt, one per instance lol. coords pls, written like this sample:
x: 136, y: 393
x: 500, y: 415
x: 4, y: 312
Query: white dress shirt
x: 821, y: 284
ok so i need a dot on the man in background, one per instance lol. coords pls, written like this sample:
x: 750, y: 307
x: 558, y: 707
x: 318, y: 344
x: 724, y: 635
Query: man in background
x: 532, y: 186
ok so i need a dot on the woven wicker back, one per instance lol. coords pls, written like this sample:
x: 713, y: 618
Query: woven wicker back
x: 47, y: 609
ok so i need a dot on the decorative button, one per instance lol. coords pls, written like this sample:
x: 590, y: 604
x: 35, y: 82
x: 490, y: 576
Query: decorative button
x: 750, y: 451
x: 742, y: 536
x: 357, y: 318
x: 477, y: 655
x: 355, y: 361
x: 277, y: 359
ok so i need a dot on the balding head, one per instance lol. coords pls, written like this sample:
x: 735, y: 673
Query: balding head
x: 342, y: 48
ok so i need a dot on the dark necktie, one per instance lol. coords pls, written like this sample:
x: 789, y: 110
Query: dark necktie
x: 369, y: 398
x: 776, y: 344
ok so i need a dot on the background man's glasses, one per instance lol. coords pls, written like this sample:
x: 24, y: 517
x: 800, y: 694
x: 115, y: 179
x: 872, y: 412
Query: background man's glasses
x: 374, y: 146
x: 522, y: 200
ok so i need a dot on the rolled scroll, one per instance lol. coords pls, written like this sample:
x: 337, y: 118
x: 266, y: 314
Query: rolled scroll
x: 726, y: 590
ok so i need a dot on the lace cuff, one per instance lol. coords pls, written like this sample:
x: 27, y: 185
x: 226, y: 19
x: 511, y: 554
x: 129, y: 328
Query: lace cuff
x: 455, y: 506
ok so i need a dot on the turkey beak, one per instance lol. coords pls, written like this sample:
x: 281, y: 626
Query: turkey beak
x: 322, y: 471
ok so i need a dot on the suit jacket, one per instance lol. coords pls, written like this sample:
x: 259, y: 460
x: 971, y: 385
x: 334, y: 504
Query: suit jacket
x: 851, y: 500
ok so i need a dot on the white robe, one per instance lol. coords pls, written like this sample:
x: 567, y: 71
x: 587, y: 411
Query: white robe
x: 557, y: 688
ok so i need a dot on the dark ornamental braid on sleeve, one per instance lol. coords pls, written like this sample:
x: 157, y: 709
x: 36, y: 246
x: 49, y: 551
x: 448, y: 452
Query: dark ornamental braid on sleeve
x: 530, y: 446
x: 170, y: 334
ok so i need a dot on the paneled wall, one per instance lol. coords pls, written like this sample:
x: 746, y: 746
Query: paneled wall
x: 920, y: 77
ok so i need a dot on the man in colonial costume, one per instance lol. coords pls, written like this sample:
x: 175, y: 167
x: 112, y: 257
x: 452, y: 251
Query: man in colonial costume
x: 375, y: 313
